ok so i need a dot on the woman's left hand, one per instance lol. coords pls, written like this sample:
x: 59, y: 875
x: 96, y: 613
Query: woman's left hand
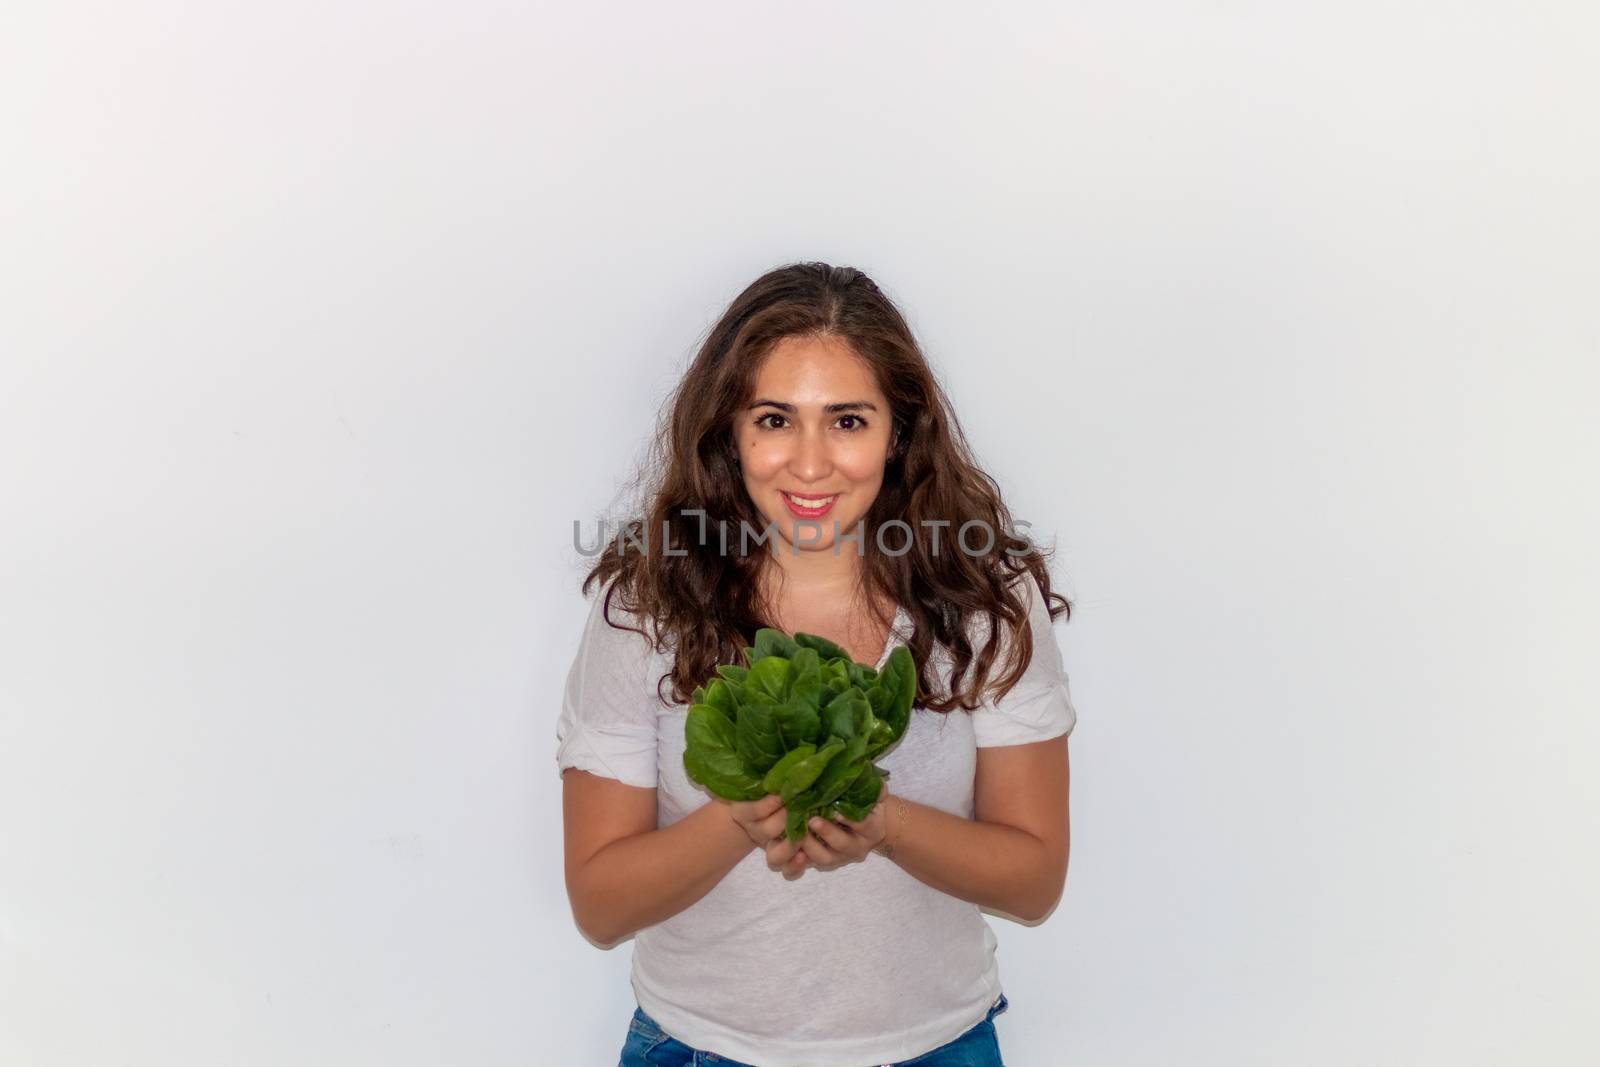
x: 832, y: 843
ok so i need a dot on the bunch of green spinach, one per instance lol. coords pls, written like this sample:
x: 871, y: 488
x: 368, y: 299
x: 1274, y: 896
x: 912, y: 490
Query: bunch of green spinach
x: 801, y: 719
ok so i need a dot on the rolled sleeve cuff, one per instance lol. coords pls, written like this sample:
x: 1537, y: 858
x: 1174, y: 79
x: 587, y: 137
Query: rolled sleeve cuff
x: 1023, y: 718
x: 612, y: 754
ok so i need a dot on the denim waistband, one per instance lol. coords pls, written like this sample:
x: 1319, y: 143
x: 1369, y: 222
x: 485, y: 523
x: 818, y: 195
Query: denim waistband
x: 643, y: 1024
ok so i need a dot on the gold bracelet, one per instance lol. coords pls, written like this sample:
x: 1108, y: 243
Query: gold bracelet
x: 887, y: 849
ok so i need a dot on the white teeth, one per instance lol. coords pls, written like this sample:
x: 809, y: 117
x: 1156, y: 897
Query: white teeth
x: 804, y: 503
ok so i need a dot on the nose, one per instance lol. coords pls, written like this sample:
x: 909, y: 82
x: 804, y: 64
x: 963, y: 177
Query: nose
x: 811, y: 462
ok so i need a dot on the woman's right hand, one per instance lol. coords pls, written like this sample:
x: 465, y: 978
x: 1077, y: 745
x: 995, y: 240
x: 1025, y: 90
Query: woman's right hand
x: 764, y: 821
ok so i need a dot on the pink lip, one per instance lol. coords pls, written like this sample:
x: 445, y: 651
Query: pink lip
x: 809, y: 513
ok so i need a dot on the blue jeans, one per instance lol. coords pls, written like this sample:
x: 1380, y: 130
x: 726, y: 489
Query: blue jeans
x: 649, y: 1046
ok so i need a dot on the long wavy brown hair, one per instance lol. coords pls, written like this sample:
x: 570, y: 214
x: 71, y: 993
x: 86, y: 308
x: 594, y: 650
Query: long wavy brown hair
x: 704, y: 603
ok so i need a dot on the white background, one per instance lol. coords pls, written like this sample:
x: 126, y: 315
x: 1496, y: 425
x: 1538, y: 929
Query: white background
x: 322, y: 323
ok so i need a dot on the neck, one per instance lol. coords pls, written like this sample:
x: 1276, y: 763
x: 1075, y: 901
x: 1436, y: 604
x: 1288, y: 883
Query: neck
x: 812, y: 573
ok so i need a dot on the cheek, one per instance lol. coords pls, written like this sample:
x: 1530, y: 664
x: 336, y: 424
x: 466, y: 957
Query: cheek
x: 865, y: 460
x: 759, y: 458
x: 864, y: 469
x: 762, y: 464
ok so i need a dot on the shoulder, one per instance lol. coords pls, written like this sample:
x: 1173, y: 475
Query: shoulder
x: 1039, y: 705
x: 608, y: 722
x: 616, y: 657
x: 617, y: 647
x: 1024, y: 587
x: 614, y: 621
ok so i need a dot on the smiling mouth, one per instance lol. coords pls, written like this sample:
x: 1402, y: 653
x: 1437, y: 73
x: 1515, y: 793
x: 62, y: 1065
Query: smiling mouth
x: 809, y: 506
x: 812, y: 501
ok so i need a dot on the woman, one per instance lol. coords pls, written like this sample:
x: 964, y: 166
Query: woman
x: 810, y: 414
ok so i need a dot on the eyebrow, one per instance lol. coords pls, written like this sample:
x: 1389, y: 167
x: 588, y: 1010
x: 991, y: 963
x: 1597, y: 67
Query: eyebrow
x: 829, y: 409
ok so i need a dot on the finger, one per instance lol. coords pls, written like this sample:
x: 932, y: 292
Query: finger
x: 768, y: 804
x: 836, y: 837
x: 796, y: 865
x: 857, y: 824
x: 774, y: 825
x: 780, y: 850
x: 820, y: 853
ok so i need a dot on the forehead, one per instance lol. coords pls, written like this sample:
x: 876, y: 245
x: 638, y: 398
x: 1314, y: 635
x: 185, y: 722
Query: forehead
x: 816, y: 370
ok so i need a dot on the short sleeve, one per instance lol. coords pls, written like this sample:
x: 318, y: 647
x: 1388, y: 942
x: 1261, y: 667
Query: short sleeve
x: 608, y: 710
x: 1039, y: 707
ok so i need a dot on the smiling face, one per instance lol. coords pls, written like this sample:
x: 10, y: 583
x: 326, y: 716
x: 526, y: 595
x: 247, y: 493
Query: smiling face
x: 818, y: 428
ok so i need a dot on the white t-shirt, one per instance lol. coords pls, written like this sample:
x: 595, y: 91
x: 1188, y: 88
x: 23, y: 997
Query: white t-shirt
x: 853, y: 967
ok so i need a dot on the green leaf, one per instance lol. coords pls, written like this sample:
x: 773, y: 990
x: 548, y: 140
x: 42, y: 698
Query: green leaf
x: 709, y: 756
x: 858, y: 800
x: 867, y: 724
x: 770, y: 642
x: 835, y: 778
x: 719, y: 694
x: 748, y: 695
x: 774, y: 779
x: 795, y: 825
x: 899, y: 683
x: 806, y: 771
x: 860, y: 675
x: 770, y: 676
x: 797, y: 724
x: 835, y: 676
x: 805, y: 685
x: 821, y: 645
x: 879, y: 737
x: 706, y: 727
x: 733, y: 673
x: 841, y: 714
x: 756, y: 737
x: 721, y: 774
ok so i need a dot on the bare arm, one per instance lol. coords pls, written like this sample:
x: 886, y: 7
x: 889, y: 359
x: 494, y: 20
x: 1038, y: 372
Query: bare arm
x: 623, y: 873
x: 1012, y: 856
